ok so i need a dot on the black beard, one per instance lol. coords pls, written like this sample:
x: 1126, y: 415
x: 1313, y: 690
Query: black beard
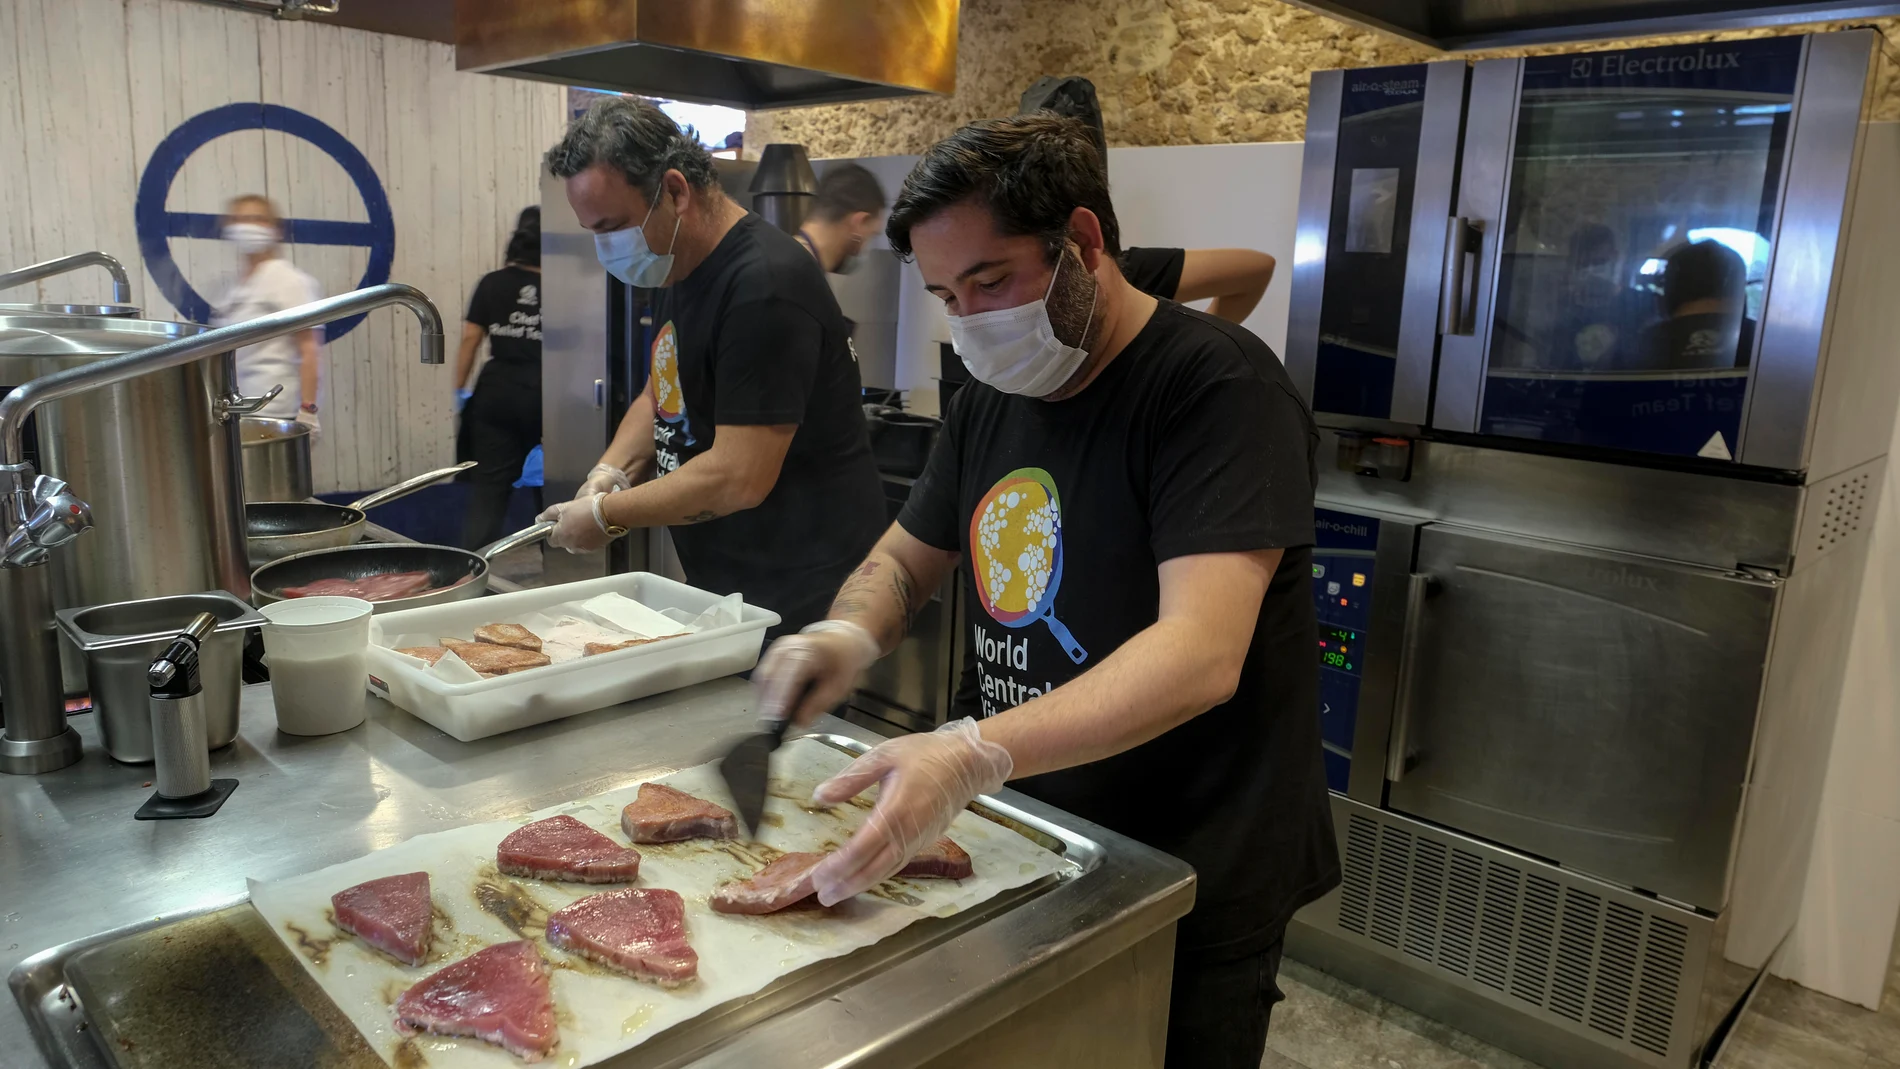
x: 1071, y: 303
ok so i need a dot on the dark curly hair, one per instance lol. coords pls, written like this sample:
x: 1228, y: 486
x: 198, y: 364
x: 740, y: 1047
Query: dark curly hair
x: 1030, y: 171
x: 637, y: 139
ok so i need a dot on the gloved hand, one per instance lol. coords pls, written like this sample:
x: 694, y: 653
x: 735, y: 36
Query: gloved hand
x: 604, y: 479
x: 807, y: 674
x: 309, y: 419
x: 579, y: 525
x: 461, y: 400
x: 926, y: 780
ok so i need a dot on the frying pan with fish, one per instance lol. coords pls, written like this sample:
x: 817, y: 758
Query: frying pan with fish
x: 1016, y: 549
x: 446, y: 565
x: 275, y: 529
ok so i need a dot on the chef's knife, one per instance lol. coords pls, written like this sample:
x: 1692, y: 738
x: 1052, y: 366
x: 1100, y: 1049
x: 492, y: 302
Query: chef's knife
x: 745, y: 768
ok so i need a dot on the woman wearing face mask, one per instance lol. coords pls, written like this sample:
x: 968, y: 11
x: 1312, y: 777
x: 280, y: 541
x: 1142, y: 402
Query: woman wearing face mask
x: 267, y: 283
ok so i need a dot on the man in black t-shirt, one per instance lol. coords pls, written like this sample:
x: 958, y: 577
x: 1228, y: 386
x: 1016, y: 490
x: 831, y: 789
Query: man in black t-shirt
x: 749, y: 439
x: 1128, y: 487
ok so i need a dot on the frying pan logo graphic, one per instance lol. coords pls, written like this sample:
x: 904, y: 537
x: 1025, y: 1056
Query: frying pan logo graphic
x: 1016, y: 549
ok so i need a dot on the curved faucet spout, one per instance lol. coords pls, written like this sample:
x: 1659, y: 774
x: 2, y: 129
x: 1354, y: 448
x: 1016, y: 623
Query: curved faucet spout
x: 121, y: 284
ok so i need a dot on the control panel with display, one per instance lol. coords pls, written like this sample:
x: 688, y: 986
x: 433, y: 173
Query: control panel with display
x: 1342, y: 600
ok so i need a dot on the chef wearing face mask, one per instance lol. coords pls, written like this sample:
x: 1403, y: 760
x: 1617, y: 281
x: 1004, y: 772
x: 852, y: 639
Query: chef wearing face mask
x: 844, y: 215
x: 1128, y: 487
x: 265, y: 282
x: 749, y: 441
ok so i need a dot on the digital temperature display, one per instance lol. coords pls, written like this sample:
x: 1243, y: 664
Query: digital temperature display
x: 1339, y: 648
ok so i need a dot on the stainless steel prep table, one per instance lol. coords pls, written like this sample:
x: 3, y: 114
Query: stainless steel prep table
x: 1076, y: 975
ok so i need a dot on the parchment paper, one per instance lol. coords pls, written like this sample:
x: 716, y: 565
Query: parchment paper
x: 602, y: 1012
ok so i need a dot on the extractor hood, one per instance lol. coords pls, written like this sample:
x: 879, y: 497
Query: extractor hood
x: 742, y: 53
x: 1468, y: 24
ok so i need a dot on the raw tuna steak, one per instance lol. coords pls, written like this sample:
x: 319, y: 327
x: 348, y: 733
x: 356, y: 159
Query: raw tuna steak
x: 772, y: 888
x: 499, y: 994
x: 943, y: 860
x: 660, y: 814
x: 385, y: 587
x: 562, y: 848
x: 509, y: 635
x: 639, y: 930
x: 392, y: 914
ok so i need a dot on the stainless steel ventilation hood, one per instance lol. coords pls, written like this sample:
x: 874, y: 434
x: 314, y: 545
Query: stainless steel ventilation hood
x: 1468, y: 24
x: 742, y: 53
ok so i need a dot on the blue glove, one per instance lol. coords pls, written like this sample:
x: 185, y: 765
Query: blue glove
x: 530, y: 469
x: 461, y: 399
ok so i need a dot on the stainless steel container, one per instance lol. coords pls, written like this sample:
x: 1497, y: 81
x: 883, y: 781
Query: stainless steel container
x: 157, y: 458
x: 276, y: 459
x: 119, y: 642
x: 43, y: 309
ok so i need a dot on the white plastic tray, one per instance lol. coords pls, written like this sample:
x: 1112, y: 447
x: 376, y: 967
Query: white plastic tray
x: 470, y: 711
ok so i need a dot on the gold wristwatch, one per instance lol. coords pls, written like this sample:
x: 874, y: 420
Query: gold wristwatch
x: 600, y: 518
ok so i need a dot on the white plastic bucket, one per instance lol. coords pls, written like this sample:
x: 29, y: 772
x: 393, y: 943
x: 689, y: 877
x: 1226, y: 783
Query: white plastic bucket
x: 317, y: 651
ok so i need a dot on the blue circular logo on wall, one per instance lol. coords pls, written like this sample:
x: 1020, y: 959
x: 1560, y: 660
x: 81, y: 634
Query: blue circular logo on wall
x: 156, y: 226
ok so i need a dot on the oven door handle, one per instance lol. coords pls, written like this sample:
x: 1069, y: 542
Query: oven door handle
x: 1418, y: 588
x: 1459, y: 310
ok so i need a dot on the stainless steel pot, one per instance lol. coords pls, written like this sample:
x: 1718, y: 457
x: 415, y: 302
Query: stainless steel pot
x: 276, y: 459
x: 277, y: 529
x: 445, y: 564
x: 119, y: 642
x: 40, y: 309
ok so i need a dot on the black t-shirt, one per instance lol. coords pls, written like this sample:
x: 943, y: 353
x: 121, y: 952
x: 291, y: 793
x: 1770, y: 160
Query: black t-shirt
x: 754, y: 337
x: 507, y: 304
x: 1156, y: 272
x: 1192, y: 440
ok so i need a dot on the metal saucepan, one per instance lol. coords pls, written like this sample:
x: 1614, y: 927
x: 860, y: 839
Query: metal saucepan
x: 277, y: 529
x: 445, y: 565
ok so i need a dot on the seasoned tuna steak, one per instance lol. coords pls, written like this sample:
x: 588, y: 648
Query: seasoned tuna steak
x: 661, y: 814
x: 509, y: 635
x: 392, y: 915
x: 492, y: 660
x: 426, y: 654
x: 562, y: 848
x: 595, y: 649
x: 499, y: 994
x: 385, y: 587
x: 772, y: 888
x: 942, y: 860
x: 639, y: 930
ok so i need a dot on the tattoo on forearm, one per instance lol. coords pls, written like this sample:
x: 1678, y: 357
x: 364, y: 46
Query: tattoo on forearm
x: 702, y: 516
x: 871, y: 584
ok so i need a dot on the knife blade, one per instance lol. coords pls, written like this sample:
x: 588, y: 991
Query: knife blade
x: 745, y: 769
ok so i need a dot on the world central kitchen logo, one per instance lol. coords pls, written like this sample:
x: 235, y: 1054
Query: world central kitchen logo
x: 1619, y: 65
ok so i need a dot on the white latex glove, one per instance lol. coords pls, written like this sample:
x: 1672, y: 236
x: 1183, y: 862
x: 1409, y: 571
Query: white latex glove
x: 578, y: 525
x: 925, y: 781
x: 604, y: 479
x: 309, y: 419
x: 805, y: 675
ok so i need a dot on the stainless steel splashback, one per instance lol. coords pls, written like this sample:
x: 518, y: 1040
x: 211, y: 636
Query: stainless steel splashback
x: 575, y: 423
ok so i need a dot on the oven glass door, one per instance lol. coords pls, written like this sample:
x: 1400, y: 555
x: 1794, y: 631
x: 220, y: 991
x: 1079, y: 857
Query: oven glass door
x: 1586, y: 707
x: 1636, y: 241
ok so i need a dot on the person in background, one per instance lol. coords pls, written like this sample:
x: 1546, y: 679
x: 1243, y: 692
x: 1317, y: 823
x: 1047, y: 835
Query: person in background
x: 1232, y: 280
x: 749, y: 441
x: 266, y: 282
x: 844, y: 215
x: 1127, y: 487
x: 1705, y: 297
x: 501, y: 418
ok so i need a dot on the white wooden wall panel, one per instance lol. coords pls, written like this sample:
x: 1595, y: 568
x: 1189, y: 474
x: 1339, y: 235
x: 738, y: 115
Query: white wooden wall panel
x: 88, y: 88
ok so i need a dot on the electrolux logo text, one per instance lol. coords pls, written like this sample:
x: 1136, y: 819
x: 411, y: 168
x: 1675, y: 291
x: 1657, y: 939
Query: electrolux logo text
x: 1618, y: 65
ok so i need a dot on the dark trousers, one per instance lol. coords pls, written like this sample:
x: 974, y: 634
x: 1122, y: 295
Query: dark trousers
x: 1218, y: 1011
x: 501, y: 425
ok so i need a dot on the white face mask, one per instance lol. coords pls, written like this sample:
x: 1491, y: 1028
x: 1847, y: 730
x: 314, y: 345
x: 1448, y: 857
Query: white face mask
x: 250, y: 238
x: 625, y: 255
x: 1016, y: 349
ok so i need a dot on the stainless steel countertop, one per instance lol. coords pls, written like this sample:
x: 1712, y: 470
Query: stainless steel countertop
x: 73, y: 862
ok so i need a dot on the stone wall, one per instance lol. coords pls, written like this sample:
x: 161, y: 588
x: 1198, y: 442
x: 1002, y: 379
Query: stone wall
x: 1168, y: 72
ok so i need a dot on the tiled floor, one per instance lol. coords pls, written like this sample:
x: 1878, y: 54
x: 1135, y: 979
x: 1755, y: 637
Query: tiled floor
x: 1327, y: 1024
